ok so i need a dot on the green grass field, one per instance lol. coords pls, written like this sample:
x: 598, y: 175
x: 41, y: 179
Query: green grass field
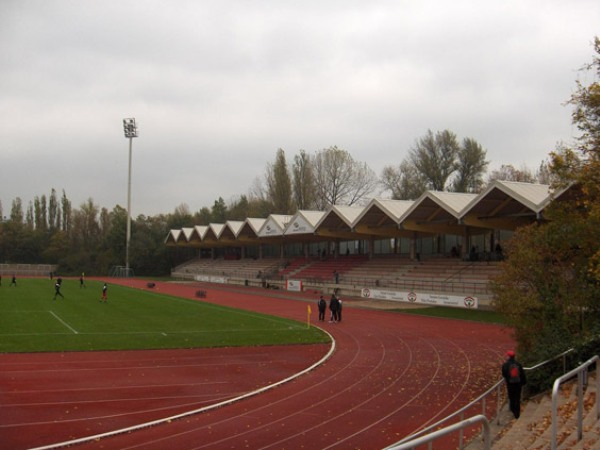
x: 475, y: 315
x: 31, y: 321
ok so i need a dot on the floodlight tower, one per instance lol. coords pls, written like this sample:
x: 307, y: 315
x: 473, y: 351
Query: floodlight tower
x: 131, y: 131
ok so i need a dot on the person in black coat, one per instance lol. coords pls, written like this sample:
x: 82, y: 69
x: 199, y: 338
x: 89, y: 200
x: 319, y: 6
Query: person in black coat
x: 514, y: 375
x: 334, y: 306
x: 322, y: 305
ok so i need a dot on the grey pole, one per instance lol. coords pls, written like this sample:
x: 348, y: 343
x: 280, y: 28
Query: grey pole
x: 131, y: 131
x: 128, y: 236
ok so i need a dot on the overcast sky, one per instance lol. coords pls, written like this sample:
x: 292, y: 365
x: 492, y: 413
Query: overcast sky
x: 218, y: 86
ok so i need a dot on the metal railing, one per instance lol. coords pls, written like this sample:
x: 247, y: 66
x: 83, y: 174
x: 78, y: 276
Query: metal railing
x: 483, y: 398
x: 580, y: 371
x: 428, y: 439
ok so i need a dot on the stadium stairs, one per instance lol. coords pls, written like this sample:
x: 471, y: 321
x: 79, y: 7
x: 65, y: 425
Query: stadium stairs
x: 532, y: 431
x: 393, y: 272
x: 322, y: 269
x: 240, y: 268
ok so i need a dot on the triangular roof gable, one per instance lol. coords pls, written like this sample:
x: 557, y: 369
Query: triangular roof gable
x: 535, y: 197
x: 394, y: 209
x: 274, y: 225
x: 452, y: 203
x: 186, y: 234
x: 303, y: 222
x: 232, y: 229
x: 251, y: 227
x: 214, y: 230
x: 343, y: 214
x: 172, y: 236
x: 199, y: 232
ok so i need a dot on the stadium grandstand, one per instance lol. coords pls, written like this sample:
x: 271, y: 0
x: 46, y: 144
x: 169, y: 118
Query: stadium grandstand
x: 442, y: 248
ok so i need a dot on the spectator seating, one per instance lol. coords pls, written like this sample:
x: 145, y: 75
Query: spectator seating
x: 322, y: 269
x: 240, y: 268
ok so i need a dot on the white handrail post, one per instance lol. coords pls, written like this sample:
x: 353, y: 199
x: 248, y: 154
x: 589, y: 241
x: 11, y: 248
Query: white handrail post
x: 580, y: 405
x: 498, y: 403
x: 461, y: 431
x: 597, y: 391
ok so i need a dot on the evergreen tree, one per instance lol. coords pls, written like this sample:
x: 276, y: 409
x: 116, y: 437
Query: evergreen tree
x: 279, y: 185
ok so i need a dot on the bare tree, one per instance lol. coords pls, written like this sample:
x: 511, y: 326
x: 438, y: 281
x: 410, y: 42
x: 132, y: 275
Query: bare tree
x: 340, y: 180
x: 544, y: 174
x: 507, y: 172
x: 404, y: 182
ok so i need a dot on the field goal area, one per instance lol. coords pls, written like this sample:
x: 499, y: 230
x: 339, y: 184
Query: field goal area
x: 121, y: 272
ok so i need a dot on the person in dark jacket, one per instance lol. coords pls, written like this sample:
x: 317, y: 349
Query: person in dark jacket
x: 334, y: 306
x: 514, y: 375
x: 57, y: 293
x: 322, y: 305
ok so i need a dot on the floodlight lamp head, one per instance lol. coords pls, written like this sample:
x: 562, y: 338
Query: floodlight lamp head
x: 130, y: 128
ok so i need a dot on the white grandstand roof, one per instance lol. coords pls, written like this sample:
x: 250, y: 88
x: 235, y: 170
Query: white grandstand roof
x: 217, y: 229
x: 506, y: 200
x: 534, y: 196
x: 394, y: 209
x: 503, y: 205
x: 234, y: 226
x: 254, y: 224
x: 348, y: 214
x: 187, y: 233
x: 303, y: 222
x: 274, y: 225
x: 173, y: 236
x: 453, y: 202
x: 200, y: 232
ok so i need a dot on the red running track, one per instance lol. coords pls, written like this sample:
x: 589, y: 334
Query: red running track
x: 390, y: 375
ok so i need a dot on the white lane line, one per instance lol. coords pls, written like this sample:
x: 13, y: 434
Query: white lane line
x: 64, y: 323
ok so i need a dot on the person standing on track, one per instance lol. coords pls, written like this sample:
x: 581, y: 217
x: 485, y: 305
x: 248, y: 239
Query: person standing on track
x: 322, y: 305
x: 334, y: 306
x: 514, y: 375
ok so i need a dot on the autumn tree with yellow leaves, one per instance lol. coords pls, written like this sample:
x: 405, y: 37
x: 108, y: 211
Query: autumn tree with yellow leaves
x: 549, y: 288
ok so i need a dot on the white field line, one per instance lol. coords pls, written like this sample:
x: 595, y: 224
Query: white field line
x: 64, y: 323
x: 195, y: 411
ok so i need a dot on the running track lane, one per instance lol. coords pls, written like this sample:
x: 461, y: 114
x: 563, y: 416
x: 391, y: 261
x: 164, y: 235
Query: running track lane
x: 391, y: 374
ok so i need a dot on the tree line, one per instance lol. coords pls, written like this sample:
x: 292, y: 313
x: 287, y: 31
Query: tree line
x: 92, y: 238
